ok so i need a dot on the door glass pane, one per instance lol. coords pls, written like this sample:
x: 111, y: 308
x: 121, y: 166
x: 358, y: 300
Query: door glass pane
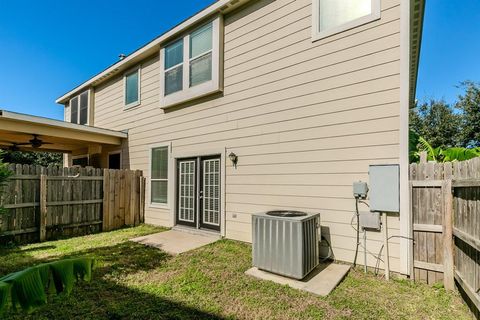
x: 201, y: 41
x: 211, y: 196
x: 84, y: 108
x: 334, y: 13
x: 174, y: 54
x: 186, y: 191
x: 174, y: 80
x: 159, y: 191
x: 131, y: 88
x: 201, y: 70
x: 160, y: 163
x: 74, y: 110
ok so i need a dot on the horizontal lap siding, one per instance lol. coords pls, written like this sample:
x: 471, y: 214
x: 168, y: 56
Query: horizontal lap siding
x: 306, y: 119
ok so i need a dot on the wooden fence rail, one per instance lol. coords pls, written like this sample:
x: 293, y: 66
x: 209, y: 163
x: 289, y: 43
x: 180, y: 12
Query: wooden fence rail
x: 47, y: 203
x: 445, y: 211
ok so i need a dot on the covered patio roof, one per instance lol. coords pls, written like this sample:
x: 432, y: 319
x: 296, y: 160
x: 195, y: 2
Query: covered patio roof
x: 18, y: 130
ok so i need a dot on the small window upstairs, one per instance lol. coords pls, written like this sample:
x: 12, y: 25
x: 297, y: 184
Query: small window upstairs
x: 334, y: 16
x: 79, y: 107
x: 191, y: 65
x: 132, y: 88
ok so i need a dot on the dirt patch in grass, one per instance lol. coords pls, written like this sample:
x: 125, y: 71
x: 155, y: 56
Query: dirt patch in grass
x: 137, y: 282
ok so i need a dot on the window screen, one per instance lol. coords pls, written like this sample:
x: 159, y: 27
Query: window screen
x: 174, y: 67
x: 201, y: 55
x: 131, y: 88
x: 74, y: 110
x: 159, y: 175
x: 83, y: 108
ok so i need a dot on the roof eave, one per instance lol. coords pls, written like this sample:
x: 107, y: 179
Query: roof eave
x: 25, y: 118
x: 416, y: 30
x: 221, y: 6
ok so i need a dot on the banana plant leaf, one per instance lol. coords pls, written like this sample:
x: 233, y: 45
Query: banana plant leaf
x: 4, y: 294
x: 29, y: 288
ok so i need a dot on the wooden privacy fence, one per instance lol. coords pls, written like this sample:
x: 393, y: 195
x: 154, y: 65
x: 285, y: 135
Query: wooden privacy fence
x: 47, y: 203
x: 445, y: 208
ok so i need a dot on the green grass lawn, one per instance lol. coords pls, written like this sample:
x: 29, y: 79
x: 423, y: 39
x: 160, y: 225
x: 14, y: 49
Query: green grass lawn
x: 137, y: 282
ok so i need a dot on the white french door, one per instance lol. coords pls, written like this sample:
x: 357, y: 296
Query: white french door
x: 198, y: 192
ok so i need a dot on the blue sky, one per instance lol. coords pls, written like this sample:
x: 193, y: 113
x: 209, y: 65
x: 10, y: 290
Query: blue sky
x: 48, y: 47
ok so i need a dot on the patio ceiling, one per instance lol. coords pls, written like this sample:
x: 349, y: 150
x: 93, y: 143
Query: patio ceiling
x: 17, y: 130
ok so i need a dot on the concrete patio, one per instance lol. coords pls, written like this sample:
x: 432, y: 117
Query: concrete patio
x: 177, y: 241
x: 320, y: 281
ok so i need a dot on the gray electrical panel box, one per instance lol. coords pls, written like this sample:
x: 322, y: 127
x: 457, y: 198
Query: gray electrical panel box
x: 384, y: 188
x: 370, y: 220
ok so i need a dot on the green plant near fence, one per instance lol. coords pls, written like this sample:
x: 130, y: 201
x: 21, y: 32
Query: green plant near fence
x: 5, y: 173
x: 418, y: 145
x: 29, y: 288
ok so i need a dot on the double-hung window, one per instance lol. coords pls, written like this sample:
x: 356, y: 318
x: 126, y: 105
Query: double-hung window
x: 334, y: 16
x: 79, y: 108
x: 132, y: 88
x: 159, y: 175
x: 191, y: 65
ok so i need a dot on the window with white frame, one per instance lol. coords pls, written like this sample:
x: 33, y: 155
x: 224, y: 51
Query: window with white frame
x: 334, y: 16
x: 132, y: 88
x: 191, y: 65
x: 79, y: 108
x: 159, y: 175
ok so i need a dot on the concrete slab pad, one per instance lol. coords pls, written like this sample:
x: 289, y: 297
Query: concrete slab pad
x: 175, y: 242
x: 321, y: 281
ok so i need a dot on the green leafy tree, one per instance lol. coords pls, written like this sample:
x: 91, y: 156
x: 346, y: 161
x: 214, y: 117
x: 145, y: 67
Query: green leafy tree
x: 469, y: 104
x: 5, y: 173
x: 38, y: 158
x: 437, y: 123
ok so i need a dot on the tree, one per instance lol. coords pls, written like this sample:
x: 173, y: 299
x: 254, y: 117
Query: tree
x: 5, y: 173
x: 469, y: 104
x: 38, y: 158
x: 437, y: 123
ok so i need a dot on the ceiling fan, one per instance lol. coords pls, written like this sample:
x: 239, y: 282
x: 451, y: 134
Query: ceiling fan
x: 35, y: 143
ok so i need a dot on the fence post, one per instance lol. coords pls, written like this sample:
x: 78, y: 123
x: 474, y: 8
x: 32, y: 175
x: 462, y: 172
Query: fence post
x: 448, y: 244
x: 43, y: 208
x: 106, y: 200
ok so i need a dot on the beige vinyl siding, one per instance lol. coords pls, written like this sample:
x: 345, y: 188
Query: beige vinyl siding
x: 305, y: 118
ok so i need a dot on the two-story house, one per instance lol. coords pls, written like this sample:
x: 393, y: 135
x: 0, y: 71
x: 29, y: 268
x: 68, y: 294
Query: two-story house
x: 255, y: 105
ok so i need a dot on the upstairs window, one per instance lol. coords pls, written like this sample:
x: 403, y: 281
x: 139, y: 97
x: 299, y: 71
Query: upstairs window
x: 201, y: 55
x: 132, y: 88
x: 174, y: 67
x: 191, y: 65
x: 79, y: 108
x: 334, y: 16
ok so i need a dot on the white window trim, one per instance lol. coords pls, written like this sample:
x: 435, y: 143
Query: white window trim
x: 169, y: 177
x: 78, y: 111
x: 125, y: 75
x: 190, y: 93
x: 115, y: 152
x: 317, y: 35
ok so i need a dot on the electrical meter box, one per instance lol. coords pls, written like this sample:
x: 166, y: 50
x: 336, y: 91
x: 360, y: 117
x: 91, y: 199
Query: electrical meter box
x: 360, y: 190
x: 384, y: 188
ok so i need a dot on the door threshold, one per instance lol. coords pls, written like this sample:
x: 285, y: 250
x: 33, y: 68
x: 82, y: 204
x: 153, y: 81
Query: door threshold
x: 201, y: 232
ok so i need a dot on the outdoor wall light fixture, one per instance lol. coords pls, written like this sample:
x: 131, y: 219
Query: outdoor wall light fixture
x: 234, y: 158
